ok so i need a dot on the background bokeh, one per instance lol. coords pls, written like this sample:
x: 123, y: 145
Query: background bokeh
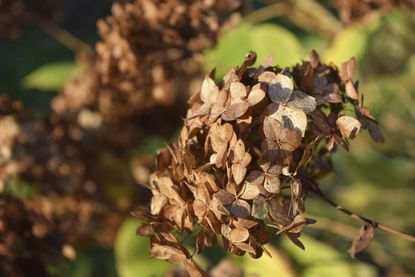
x: 376, y: 180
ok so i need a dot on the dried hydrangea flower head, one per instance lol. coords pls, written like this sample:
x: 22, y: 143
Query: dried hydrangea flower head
x: 149, y: 53
x: 245, y: 153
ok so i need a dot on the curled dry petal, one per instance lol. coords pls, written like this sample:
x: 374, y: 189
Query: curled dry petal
x: 362, y: 239
x: 209, y: 90
x: 351, y: 91
x: 347, y: 70
x: 239, y: 234
x: 349, y: 126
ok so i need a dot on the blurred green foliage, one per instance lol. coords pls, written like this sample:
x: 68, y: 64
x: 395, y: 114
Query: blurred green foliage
x: 50, y: 77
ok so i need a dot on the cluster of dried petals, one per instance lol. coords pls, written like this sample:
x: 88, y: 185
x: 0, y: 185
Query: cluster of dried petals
x: 29, y: 241
x: 72, y: 155
x: 246, y: 151
x: 9, y: 130
x: 14, y: 14
x: 149, y: 55
x: 363, y: 11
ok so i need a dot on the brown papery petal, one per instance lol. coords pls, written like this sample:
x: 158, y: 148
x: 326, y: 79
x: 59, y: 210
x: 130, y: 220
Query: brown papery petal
x: 362, y: 240
x: 209, y: 90
x: 290, y: 139
x: 255, y: 96
x: 303, y: 101
x: 250, y: 191
x: 348, y: 69
x: 272, y: 184
x: 224, y: 197
x: 226, y: 231
x: 255, y: 177
x: 238, y: 172
x: 157, y: 203
x: 267, y: 77
x: 272, y: 128
x: 289, y: 116
x: 235, y: 111
x: 245, y: 247
x: 238, y: 91
x: 351, y: 91
x: 349, y: 126
x: 240, y: 208
x: 280, y: 89
x: 238, y: 235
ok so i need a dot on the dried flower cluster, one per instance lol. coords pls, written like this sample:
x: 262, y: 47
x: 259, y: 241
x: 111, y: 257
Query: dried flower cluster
x: 14, y: 14
x: 78, y: 155
x: 63, y: 150
x: 149, y: 56
x: 362, y: 11
x: 245, y: 154
x: 22, y: 230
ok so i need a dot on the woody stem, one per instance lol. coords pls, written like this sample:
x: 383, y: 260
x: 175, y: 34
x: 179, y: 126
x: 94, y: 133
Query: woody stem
x: 315, y: 189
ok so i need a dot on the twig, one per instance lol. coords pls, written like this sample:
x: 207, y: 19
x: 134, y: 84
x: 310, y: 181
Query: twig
x: 313, y: 187
x: 59, y: 34
x: 64, y: 37
x: 266, y: 13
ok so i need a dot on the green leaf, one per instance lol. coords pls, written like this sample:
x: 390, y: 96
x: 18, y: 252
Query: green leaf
x: 321, y: 259
x: 149, y: 146
x: 50, y: 77
x: 132, y: 254
x: 264, y: 266
x: 263, y: 39
x: 350, y: 42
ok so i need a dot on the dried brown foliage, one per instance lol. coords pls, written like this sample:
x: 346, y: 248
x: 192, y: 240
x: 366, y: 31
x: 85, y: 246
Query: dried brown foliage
x: 24, y: 230
x: 15, y: 14
x: 149, y: 56
x: 248, y: 147
x: 362, y: 11
x: 135, y: 86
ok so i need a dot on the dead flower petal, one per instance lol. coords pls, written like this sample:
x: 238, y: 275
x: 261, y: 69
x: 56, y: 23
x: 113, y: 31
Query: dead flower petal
x: 362, y: 240
x: 349, y: 126
x: 240, y: 209
x: 209, y: 90
x: 280, y: 89
x: 255, y: 96
x: 303, y: 101
x: 238, y: 235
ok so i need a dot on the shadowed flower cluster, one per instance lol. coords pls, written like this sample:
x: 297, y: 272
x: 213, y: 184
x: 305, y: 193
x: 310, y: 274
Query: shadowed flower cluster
x: 15, y: 14
x: 77, y: 156
x: 248, y: 147
x: 149, y: 56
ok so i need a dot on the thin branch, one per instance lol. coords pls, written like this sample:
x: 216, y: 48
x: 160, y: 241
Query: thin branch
x: 313, y: 187
x: 267, y: 13
x: 62, y: 36
x: 59, y: 34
